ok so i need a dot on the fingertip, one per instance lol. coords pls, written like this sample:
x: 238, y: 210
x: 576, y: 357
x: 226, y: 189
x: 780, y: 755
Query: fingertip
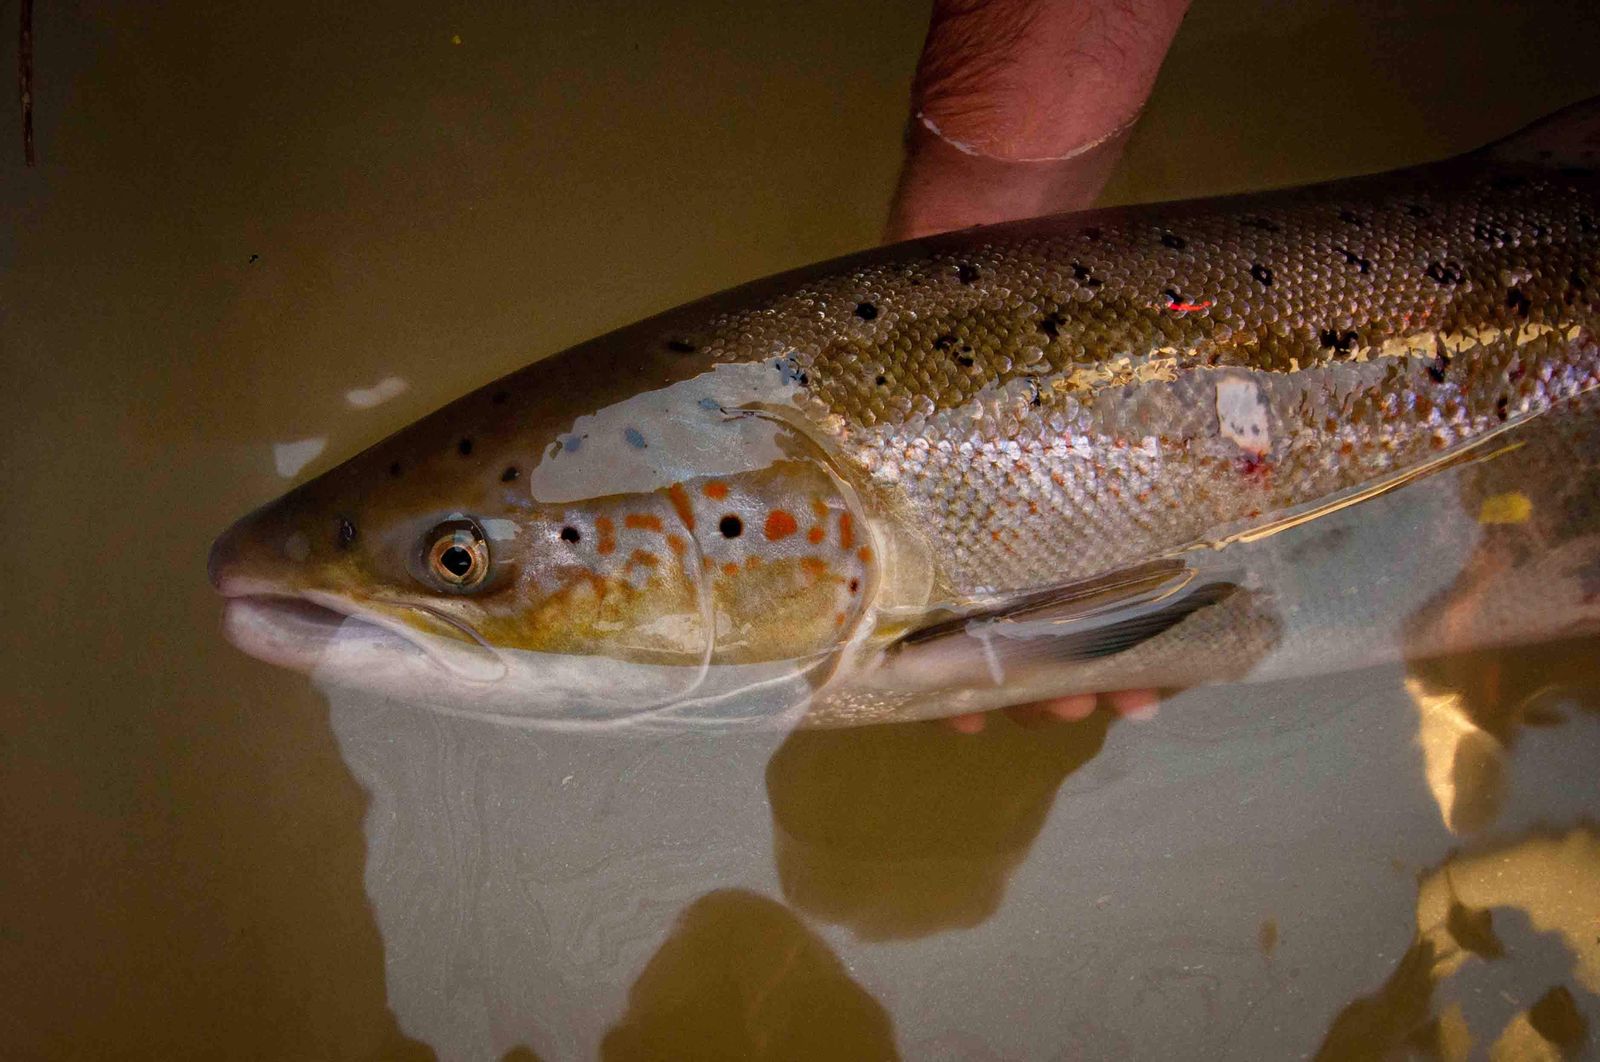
x: 1134, y: 704
x: 970, y: 723
x: 1070, y: 709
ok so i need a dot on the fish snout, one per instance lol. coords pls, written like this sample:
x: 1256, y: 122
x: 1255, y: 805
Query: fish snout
x: 256, y: 553
x: 224, y: 557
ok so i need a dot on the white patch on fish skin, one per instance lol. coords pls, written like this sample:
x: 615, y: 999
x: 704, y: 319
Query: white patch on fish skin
x: 691, y: 429
x: 500, y: 529
x: 290, y: 457
x: 1242, y: 415
x: 376, y: 395
x: 297, y: 547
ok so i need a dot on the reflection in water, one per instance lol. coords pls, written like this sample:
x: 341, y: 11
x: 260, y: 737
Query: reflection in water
x: 903, y: 830
x: 1506, y: 954
x: 1539, y: 513
x: 742, y: 978
x: 1471, y: 707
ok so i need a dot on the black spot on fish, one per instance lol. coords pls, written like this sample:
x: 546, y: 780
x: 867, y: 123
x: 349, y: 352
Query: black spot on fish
x: 1262, y: 274
x: 1340, y: 342
x: 680, y: 346
x: 1417, y: 210
x: 1363, y: 265
x: 634, y: 438
x: 1173, y: 295
x: 792, y: 373
x: 1518, y: 301
x: 1484, y: 232
x: 882, y: 380
x: 509, y: 474
x: 464, y: 447
x: 1350, y: 217
x: 1051, y: 325
x: 1173, y: 241
x: 1035, y: 396
x: 1441, y: 362
x: 730, y: 526
x: 570, y: 534
x: 855, y: 584
x: 944, y: 342
x: 1586, y: 224
x: 866, y: 311
x: 964, y: 360
x: 394, y: 468
x: 1260, y: 223
x: 966, y: 273
x: 500, y: 398
x: 1502, y: 406
x: 1445, y: 272
x: 1575, y: 286
x: 347, y: 533
x: 254, y: 259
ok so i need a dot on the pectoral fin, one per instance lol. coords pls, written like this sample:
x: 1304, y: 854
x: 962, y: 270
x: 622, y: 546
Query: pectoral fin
x: 1082, y: 621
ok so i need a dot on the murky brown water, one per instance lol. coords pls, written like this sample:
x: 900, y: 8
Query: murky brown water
x: 240, y: 216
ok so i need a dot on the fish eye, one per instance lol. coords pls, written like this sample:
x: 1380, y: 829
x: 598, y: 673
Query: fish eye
x: 457, y: 554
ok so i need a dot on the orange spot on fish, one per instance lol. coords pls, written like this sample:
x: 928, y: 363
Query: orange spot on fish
x: 780, y: 524
x: 676, y: 544
x: 1189, y: 307
x: 819, y: 508
x: 642, y: 521
x: 847, y: 531
x: 815, y: 567
x: 838, y: 619
x: 716, y: 490
x: 815, y: 536
x: 607, y: 532
x: 730, y: 569
x: 865, y: 554
x: 644, y: 558
x: 752, y: 563
x: 680, y: 505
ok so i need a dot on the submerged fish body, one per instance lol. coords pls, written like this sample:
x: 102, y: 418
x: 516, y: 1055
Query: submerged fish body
x: 1016, y: 461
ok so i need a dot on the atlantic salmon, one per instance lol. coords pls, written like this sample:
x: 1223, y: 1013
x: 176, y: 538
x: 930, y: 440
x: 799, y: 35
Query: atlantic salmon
x: 1091, y: 451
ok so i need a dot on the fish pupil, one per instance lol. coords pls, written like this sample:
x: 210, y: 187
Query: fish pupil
x: 457, y: 560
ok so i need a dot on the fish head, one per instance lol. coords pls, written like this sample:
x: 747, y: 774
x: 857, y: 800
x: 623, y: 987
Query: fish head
x: 485, y: 563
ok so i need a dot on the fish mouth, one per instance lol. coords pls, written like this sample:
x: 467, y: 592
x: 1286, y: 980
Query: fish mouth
x: 317, y: 632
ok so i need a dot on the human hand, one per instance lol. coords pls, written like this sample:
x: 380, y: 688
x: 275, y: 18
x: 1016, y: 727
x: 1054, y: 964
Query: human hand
x: 1021, y: 108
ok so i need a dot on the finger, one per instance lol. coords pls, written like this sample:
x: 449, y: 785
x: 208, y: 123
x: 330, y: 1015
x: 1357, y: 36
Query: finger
x: 970, y: 723
x: 1134, y: 704
x: 1070, y: 709
x: 1020, y: 107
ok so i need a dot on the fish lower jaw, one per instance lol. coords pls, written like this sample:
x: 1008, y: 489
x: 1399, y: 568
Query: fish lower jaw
x: 294, y: 632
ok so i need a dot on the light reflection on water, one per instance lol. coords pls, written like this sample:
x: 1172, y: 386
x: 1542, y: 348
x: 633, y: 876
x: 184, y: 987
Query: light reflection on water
x: 1242, y: 874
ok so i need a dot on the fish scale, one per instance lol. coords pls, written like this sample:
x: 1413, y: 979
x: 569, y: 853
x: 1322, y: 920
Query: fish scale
x: 1425, y: 263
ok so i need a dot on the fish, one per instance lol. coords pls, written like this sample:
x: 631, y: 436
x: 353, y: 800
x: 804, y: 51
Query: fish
x: 1162, y: 445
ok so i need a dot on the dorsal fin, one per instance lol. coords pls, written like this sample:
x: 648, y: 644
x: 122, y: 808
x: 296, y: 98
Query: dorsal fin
x: 1569, y: 137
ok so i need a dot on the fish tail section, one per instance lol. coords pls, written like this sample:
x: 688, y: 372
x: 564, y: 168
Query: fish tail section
x: 1569, y: 137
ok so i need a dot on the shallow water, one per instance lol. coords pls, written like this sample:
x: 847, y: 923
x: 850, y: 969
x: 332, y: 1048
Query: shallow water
x: 244, y: 223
